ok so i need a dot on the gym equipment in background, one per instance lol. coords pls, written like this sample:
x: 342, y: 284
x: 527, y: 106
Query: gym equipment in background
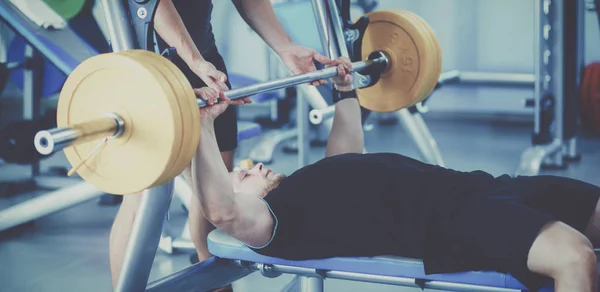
x: 16, y: 136
x: 128, y: 32
x: 558, y: 66
x: 39, y: 59
x: 53, y: 78
x: 81, y: 21
x: 67, y: 9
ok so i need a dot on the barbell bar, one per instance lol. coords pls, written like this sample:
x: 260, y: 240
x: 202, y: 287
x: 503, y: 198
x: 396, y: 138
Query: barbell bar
x: 53, y: 140
x: 378, y: 59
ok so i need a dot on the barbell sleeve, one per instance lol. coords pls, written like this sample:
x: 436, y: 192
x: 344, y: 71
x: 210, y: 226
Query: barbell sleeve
x: 317, y: 116
x: 51, y: 141
x: 246, y: 91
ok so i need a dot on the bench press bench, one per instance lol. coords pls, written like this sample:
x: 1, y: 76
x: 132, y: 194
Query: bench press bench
x: 383, y: 270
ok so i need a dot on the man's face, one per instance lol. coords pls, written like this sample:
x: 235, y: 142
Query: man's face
x: 258, y: 180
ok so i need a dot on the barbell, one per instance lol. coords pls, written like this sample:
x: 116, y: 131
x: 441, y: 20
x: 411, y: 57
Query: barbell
x: 128, y: 121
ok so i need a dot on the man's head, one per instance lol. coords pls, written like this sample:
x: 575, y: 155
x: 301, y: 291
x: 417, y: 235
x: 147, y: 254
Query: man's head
x: 257, y: 180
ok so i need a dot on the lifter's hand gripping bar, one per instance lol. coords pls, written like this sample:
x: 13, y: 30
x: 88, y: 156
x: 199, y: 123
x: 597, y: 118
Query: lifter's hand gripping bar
x: 378, y: 60
x: 53, y: 140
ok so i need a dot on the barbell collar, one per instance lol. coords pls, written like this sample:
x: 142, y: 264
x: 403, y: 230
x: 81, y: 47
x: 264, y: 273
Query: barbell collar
x: 379, y: 60
x: 53, y: 140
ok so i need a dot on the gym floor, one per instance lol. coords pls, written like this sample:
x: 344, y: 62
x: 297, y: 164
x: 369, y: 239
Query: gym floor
x: 68, y: 251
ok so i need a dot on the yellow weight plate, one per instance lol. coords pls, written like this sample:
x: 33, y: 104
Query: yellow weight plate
x: 400, y: 38
x: 152, y: 66
x: 152, y: 59
x: 181, y: 161
x: 141, y: 55
x: 114, y: 83
x: 191, y: 103
x: 438, y: 52
x: 425, y: 71
x: 434, y: 71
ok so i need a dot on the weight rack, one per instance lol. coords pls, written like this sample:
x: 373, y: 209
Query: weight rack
x: 558, y: 66
x: 559, y: 63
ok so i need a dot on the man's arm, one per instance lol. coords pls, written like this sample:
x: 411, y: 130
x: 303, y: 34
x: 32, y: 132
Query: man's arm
x: 245, y: 217
x: 169, y: 26
x: 260, y: 16
x: 346, y: 134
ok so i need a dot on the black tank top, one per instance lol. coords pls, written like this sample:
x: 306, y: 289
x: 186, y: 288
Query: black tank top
x: 364, y: 205
x: 196, y: 16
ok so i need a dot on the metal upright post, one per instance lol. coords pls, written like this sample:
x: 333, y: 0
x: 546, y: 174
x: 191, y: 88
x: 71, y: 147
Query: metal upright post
x: 556, y: 54
x: 310, y: 284
x: 154, y: 204
x: 324, y: 26
x: 32, y: 92
x: 572, y: 152
x: 338, y: 29
x: 540, y: 60
x: 549, y: 81
x: 329, y: 46
x: 145, y: 236
x: 118, y: 24
x: 302, y: 127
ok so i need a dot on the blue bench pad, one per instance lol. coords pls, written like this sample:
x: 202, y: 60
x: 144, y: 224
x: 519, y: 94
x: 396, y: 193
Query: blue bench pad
x: 224, y: 246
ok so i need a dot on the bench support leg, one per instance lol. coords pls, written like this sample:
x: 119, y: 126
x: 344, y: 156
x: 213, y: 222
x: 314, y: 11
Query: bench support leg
x: 416, y: 128
x: 311, y: 284
x: 144, y: 238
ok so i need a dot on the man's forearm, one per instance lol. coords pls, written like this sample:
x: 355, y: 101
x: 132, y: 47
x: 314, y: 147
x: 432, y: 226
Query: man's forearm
x: 259, y: 15
x: 211, y: 178
x: 346, y: 134
x: 169, y: 26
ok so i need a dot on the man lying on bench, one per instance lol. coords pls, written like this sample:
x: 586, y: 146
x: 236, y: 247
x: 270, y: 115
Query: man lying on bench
x: 351, y: 204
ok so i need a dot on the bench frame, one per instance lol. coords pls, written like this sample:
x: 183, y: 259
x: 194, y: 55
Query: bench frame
x: 312, y: 280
